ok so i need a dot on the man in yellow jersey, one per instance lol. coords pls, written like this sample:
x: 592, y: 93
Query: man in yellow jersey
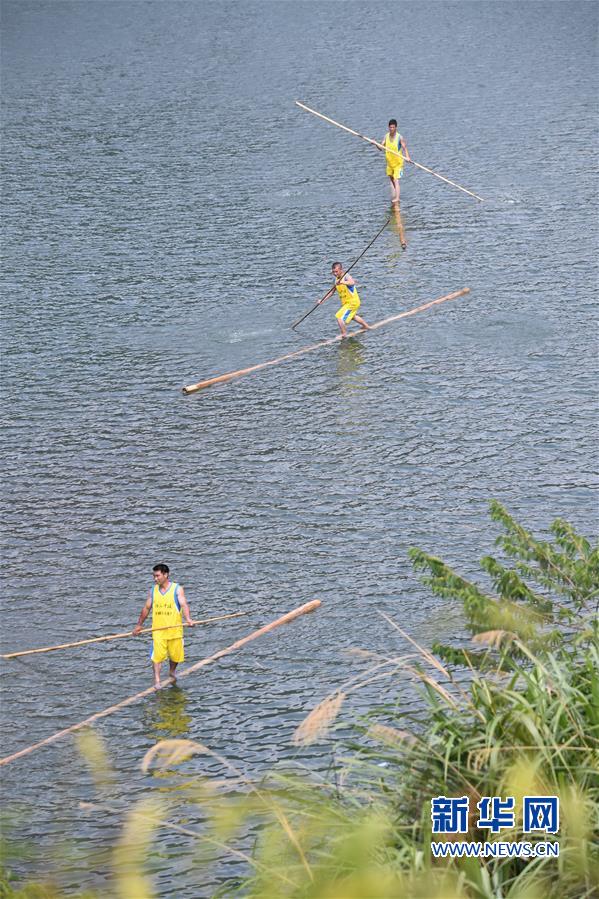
x: 394, y: 142
x: 168, y: 604
x: 350, y: 300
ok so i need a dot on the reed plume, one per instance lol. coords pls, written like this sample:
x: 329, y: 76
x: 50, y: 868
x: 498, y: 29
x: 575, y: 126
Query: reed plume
x: 316, y: 726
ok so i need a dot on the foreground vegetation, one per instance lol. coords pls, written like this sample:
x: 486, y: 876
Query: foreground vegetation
x: 512, y: 713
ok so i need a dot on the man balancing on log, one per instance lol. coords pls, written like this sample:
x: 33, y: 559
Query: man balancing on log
x: 395, y: 142
x: 350, y: 300
x: 168, y: 604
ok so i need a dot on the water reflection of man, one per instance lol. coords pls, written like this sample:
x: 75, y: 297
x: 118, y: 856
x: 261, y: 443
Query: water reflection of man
x: 399, y: 223
x: 349, y: 360
x: 167, y: 716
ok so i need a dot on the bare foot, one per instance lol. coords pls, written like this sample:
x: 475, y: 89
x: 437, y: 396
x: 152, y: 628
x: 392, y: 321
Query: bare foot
x: 404, y: 245
x: 173, y: 677
x: 365, y: 327
x: 157, y: 685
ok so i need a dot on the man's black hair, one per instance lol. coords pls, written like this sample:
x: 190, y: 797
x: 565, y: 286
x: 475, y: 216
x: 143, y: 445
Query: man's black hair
x: 334, y: 264
x: 393, y: 122
x: 161, y: 567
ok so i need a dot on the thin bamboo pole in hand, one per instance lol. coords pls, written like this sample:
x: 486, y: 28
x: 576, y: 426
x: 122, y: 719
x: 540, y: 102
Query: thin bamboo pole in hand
x: 285, y: 619
x: 375, y: 143
x: 145, y: 630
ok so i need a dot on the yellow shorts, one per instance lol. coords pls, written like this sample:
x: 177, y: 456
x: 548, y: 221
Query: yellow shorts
x: 346, y: 313
x: 164, y: 649
x: 395, y: 172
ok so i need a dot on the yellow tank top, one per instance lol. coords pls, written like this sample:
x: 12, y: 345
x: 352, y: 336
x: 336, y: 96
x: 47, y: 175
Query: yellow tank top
x: 166, y: 611
x: 395, y: 162
x: 348, y: 295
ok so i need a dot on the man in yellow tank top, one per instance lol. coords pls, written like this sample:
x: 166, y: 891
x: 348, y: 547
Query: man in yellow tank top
x: 345, y: 286
x: 396, y: 149
x: 168, y: 604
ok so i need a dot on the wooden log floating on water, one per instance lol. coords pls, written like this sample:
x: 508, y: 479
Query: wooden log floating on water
x: 221, y: 379
x: 145, y: 630
x: 285, y: 619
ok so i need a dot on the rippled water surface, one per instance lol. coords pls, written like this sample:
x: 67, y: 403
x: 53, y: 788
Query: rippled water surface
x: 167, y: 213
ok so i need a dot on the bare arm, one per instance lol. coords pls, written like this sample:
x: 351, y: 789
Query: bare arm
x: 327, y: 295
x: 143, y: 614
x: 347, y: 279
x: 404, y: 147
x: 184, y: 606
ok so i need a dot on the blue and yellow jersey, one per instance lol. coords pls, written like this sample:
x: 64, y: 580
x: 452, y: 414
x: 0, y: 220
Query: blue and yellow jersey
x: 166, y: 611
x: 348, y: 295
x: 393, y: 143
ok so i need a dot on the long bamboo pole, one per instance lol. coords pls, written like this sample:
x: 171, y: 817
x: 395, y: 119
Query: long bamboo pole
x: 375, y: 143
x: 220, y: 379
x: 146, y: 630
x: 285, y: 619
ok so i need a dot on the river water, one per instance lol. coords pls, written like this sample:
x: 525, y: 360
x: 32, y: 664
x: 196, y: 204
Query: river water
x: 167, y: 213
